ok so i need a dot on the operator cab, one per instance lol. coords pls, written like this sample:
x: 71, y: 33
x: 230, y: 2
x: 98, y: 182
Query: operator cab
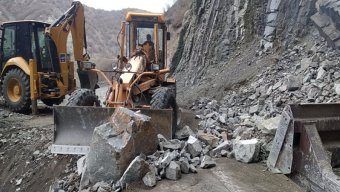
x: 148, y: 32
x: 27, y: 39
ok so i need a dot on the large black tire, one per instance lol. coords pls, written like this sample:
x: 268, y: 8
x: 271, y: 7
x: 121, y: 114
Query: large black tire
x: 54, y: 101
x: 16, y: 90
x: 83, y: 97
x: 165, y: 98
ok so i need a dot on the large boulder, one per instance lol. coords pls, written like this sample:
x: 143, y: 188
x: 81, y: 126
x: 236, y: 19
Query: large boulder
x: 247, y: 151
x: 115, y: 144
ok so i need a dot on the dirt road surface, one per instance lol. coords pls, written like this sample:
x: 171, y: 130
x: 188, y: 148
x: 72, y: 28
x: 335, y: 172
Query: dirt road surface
x: 230, y: 176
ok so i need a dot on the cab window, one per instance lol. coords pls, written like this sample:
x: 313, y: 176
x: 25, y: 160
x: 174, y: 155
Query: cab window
x: 9, y: 42
x: 43, y: 52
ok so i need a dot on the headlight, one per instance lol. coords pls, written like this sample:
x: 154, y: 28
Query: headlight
x: 114, y: 65
x: 128, y: 66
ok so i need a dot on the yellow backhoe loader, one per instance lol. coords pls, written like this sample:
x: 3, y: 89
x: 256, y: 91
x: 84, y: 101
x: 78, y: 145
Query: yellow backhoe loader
x: 139, y: 81
x: 35, y: 64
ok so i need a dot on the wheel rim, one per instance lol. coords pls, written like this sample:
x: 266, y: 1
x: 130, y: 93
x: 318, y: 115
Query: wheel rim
x: 14, y: 90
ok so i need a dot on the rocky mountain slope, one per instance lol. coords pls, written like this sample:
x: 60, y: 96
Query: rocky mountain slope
x: 224, y: 43
x: 102, y: 26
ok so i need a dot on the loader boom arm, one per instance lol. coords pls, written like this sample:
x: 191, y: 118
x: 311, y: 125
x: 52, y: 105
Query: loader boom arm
x: 73, y: 20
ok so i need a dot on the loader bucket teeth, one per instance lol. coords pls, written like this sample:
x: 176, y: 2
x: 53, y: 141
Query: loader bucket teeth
x: 73, y: 126
x: 306, y: 146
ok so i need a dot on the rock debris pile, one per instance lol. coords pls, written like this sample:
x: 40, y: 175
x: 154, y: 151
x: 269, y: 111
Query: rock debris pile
x: 248, y: 115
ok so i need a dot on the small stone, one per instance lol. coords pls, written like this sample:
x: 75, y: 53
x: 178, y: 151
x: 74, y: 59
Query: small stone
x: 226, y: 145
x: 224, y: 136
x: 254, y: 109
x: 268, y: 126
x: 173, y: 172
x: 195, y: 161
x: 101, y: 186
x: 336, y: 75
x: 18, y: 182
x: 307, y: 78
x: 208, y: 139
x: 81, y: 165
x: 305, y: 63
x: 184, y: 133
x: 277, y: 85
x: 293, y: 83
x: 184, y: 164
x: 150, y: 179
x: 194, y: 146
x: 207, y: 162
x: 222, y: 118
x: 224, y: 153
x: 321, y: 74
x: 168, y: 157
x: 174, y: 144
x: 192, y: 168
x: 337, y: 88
x: 312, y: 94
x: 36, y: 153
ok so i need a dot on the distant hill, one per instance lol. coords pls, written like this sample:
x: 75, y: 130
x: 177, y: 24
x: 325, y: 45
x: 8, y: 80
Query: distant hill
x: 102, y: 26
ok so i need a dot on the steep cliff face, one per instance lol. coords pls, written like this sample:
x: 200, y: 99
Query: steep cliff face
x: 223, y: 43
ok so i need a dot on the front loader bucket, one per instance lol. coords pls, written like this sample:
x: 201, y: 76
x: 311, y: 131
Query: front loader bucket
x: 73, y: 126
x: 306, y: 146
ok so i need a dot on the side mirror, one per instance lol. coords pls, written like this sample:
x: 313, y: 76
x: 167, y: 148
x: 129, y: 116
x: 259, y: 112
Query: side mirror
x: 168, y: 36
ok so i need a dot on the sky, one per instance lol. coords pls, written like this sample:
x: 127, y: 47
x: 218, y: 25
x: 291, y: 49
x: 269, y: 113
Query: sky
x: 148, y: 5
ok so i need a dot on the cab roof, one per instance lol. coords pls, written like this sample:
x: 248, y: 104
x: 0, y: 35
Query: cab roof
x: 25, y: 21
x: 151, y: 17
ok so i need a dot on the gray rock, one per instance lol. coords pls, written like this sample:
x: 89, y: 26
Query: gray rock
x: 136, y: 170
x: 168, y: 157
x: 321, y: 74
x: 208, y: 139
x: 307, y: 78
x: 194, y: 147
x: 184, y: 133
x: 268, y: 126
x: 277, y: 85
x: 195, y: 161
x: 101, y: 186
x: 312, y: 94
x: 149, y: 179
x: 226, y: 145
x: 222, y: 118
x: 207, y: 162
x: 224, y: 153
x: 114, y: 146
x: 255, y: 109
x: 192, y: 168
x: 293, y: 83
x: 184, y: 164
x: 327, y: 65
x: 305, y: 63
x: 173, y: 144
x: 81, y: 166
x: 247, y: 151
x: 336, y: 75
x: 173, y: 172
x: 337, y: 88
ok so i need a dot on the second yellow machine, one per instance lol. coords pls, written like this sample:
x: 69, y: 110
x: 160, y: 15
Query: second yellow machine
x: 35, y: 64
